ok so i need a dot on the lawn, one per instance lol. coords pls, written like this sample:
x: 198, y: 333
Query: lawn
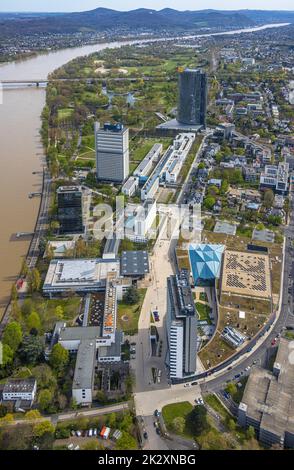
x: 203, y: 312
x: 128, y: 315
x: 46, y: 309
x: 175, y: 410
x: 65, y: 113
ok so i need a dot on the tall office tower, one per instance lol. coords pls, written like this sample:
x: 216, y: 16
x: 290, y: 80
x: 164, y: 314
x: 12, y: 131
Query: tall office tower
x: 181, y: 327
x: 112, y: 152
x: 192, y: 97
x: 70, y: 203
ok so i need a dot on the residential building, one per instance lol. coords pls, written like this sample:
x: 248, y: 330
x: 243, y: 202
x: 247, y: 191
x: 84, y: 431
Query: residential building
x: 70, y: 209
x: 112, y: 152
x: 192, y: 97
x: 181, y: 327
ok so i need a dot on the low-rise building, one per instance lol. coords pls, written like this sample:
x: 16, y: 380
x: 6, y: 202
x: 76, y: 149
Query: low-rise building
x: 130, y: 186
x: 21, y: 391
x: 145, y: 166
x: 78, y: 275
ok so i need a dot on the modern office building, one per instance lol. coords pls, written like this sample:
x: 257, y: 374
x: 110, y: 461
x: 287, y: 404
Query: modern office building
x: 112, y: 152
x: 181, y: 326
x: 192, y: 97
x: 70, y: 203
x: 78, y: 275
x: 268, y: 404
x: 140, y: 219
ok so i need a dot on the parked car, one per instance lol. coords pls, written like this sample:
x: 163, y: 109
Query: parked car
x: 156, y: 413
x: 145, y: 435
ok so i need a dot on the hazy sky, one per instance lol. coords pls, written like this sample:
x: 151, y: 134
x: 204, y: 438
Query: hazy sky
x: 81, y: 5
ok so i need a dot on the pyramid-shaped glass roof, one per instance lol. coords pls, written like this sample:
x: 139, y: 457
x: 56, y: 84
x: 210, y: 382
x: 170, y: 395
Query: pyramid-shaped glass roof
x: 205, y: 261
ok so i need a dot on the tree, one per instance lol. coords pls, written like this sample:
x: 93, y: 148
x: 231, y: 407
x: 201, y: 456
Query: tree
x: 268, y: 198
x: 209, y: 202
x: 45, y: 399
x: 93, y: 445
x: 8, y: 418
x: 214, y: 441
x: 7, y: 355
x: 131, y: 296
x: 44, y: 376
x: 250, y: 433
x: 232, y: 425
x: 14, y: 294
x: 31, y: 349
x: 231, y: 388
x: 59, y: 358
x: 178, y: 425
x: 34, y: 280
x: 45, y: 427
x: 33, y: 321
x: 12, y: 335
x: 126, y: 442
x: 197, y: 420
x: 32, y: 415
x: 59, y: 312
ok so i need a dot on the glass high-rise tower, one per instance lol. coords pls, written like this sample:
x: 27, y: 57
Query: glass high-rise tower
x: 192, y: 97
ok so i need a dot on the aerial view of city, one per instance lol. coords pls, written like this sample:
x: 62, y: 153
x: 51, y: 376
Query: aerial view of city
x: 147, y: 230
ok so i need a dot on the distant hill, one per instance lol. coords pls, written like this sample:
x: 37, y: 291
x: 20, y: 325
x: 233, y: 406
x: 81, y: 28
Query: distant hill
x: 104, y: 19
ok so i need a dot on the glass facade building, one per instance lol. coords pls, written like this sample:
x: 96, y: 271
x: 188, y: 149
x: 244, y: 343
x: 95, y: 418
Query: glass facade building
x: 192, y: 97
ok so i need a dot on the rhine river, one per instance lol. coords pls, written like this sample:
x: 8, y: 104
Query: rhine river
x: 21, y: 152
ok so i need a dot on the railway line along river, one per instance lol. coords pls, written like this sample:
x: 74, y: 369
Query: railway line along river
x: 21, y: 153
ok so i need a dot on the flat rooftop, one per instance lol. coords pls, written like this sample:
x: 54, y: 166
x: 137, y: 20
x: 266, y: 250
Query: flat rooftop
x: 246, y: 273
x: 134, y: 263
x: 269, y: 397
x: 263, y: 235
x: 78, y: 273
x: 177, y: 126
x: 181, y: 294
x: 225, y: 227
x: 84, y: 369
x: 79, y: 333
x: 19, y: 385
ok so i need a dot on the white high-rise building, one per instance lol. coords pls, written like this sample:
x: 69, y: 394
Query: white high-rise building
x: 181, y: 325
x: 112, y: 152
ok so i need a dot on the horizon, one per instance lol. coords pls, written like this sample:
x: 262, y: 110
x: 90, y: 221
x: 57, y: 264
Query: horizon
x: 59, y: 6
